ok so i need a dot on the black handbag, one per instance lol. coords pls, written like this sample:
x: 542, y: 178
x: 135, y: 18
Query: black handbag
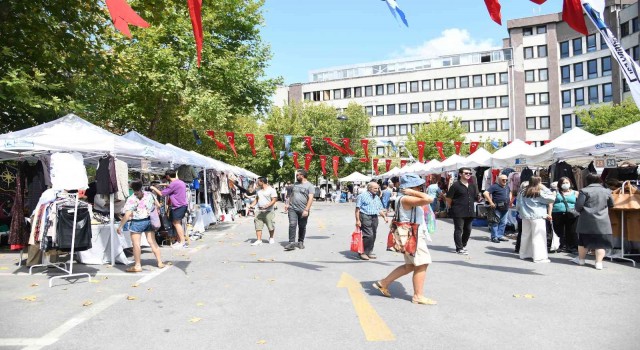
x: 492, y: 217
x: 572, y: 213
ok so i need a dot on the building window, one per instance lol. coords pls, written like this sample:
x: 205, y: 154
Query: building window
x: 451, y: 105
x: 606, y: 66
x: 464, y: 103
x: 451, y: 83
x: 566, y: 98
x: 380, y: 132
x: 528, y: 52
x: 414, y: 86
x: 464, y: 82
x: 391, y: 109
x: 530, y: 76
x: 593, y: 94
x: 577, y: 46
x: 402, y: 108
x: 477, y: 80
x: 326, y: 95
x: 337, y: 94
x: 531, y: 123
x: 415, y: 107
x: 439, y: 106
x: 541, y: 29
x: 478, y: 125
x: 391, y: 89
x: 379, y: 89
x: 531, y: 99
x: 544, y: 98
x: 504, y: 124
x: 565, y: 74
x: 624, y: 29
x: 566, y: 122
x: 578, y: 71
x: 426, y: 85
x: 578, y: 122
x: 438, y: 84
x: 504, y: 78
x: 544, y: 122
x: 346, y: 92
x: 591, y: 43
x: 504, y: 101
x: 465, y: 126
x: 357, y: 92
x: 307, y: 96
x: 492, y: 125
x: 527, y: 31
x: 369, y: 110
x: 592, y: 69
x: 379, y: 110
x: 380, y: 150
x: 477, y: 103
x: 414, y: 128
x: 491, y: 79
x: 426, y: 107
x: 491, y: 102
x: 402, y: 88
x: 316, y: 95
x: 564, y: 49
x: 578, y: 96
x: 607, y: 93
x: 542, y: 51
x: 543, y: 74
x: 368, y: 90
x: 391, y: 130
x: 634, y: 25
x: 403, y: 129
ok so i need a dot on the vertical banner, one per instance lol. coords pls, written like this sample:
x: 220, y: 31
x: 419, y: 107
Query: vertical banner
x: 307, y: 161
x: 281, y: 159
x: 439, y: 145
x: 323, y: 165
x: 364, y: 160
x: 252, y: 143
x: 212, y: 135
x: 403, y: 162
x: 457, y: 144
x: 365, y: 146
x: 307, y: 141
x: 572, y: 14
x: 375, y: 165
x: 473, y: 146
x: 421, y: 145
x: 295, y: 160
x: 336, y: 164
x: 231, y: 137
x: 269, y: 139
x: 287, y: 143
x: 387, y: 164
x: 347, y: 146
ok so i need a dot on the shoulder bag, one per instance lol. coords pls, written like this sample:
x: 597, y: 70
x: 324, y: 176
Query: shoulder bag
x: 403, y: 236
x: 572, y: 213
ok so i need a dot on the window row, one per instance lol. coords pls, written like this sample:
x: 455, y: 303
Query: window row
x: 478, y: 126
x: 534, y: 123
x: 595, y: 94
x: 439, y: 106
x: 594, y: 68
x: 629, y: 27
x: 578, y: 48
x: 540, y: 49
x: 566, y: 122
x: 541, y: 98
x: 530, y: 75
x: 528, y: 31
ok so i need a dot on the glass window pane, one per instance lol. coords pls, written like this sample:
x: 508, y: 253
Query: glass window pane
x: 478, y: 125
x: 451, y: 105
x: 477, y: 80
x: 529, y: 75
x: 464, y: 82
x: 391, y: 89
x: 438, y: 84
x: 402, y: 88
x: 542, y: 51
x: 402, y: 108
x: 505, y: 124
x: 577, y: 46
x: 504, y: 78
x: 564, y: 49
x: 414, y: 85
x: 451, y: 83
x: 391, y: 109
x: 543, y: 74
x: 491, y: 79
x: 426, y: 85
x: 426, y: 107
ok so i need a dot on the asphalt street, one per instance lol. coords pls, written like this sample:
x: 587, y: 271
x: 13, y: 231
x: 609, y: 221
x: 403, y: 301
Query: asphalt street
x: 223, y: 293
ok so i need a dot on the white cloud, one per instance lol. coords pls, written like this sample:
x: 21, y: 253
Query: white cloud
x: 451, y: 41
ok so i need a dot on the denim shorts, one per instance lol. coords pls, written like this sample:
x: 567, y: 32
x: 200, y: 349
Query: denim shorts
x: 143, y: 225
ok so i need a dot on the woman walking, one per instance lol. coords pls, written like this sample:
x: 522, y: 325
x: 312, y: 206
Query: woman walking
x: 565, y: 216
x: 410, y: 199
x: 594, y: 225
x: 532, y: 204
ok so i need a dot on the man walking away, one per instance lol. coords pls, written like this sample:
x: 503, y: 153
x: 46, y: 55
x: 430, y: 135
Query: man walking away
x: 265, y: 200
x: 499, y: 198
x: 460, y: 199
x: 177, y: 193
x: 386, y: 196
x: 299, y: 206
x: 368, y: 207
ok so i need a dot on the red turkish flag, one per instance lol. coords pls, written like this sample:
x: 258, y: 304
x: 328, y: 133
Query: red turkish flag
x: 323, y: 164
x: 493, y: 6
x: 572, y: 14
x: 403, y: 162
x: 269, y: 139
x: 457, y: 144
x: 295, y: 160
x: 346, y: 143
x: 334, y: 145
x: 387, y: 164
x: 545, y: 142
x: 365, y: 147
x: 473, y: 146
x: 364, y: 160
x: 375, y: 165
x: 122, y: 15
x: 307, y: 141
x: 212, y: 135
x: 195, y: 12
x: 252, y: 142
x: 336, y: 164
x: 231, y: 137
x: 421, y: 145
x: 307, y: 161
x: 528, y: 142
x: 539, y: 2
x: 439, y: 145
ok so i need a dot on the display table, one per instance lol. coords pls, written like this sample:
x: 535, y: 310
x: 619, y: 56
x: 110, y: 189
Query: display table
x: 204, y: 218
x: 100, y: 252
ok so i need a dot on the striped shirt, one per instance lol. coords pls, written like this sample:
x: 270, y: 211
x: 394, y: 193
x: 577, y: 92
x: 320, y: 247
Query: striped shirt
x: 368, y: 203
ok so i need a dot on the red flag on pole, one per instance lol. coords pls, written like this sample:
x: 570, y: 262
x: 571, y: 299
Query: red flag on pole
x: 307, y: 161
x: 528, y: 142
x: 545, y: 142
x: 365, y: 147
x: 439, y: 145
x: 336, y: 164
x: 252, y: 142
x: 387, y: 164
x: 457, y: 144
x: 364, y: 160
x: 269, y: 139
x: 307, y: 141
x: 231, y: 137
x: 421, y: 145
x: 375, y: 165
x: 195, y: 12
x: 403, y: 162
x: 493, y: 6
x: 473, y: 146
x: 212, y: 135
x: 346, y: 143
x: 572, y: 14
x: 539, y: 2
x: 323, y: 164
x: 122, y: 15
x: 334, y: 145
x: 295, y: 160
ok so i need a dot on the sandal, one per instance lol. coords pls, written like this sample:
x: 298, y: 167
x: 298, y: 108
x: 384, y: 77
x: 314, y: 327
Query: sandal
x: 377, y: 285
x: 161, y: 265
x: 424, y: 301
x: 134, y: 269
x: 372, y: 256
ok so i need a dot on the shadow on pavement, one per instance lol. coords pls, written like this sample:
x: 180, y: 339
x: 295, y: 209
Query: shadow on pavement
x: 397, y: 290
x: 317, y: 237
x: 493, y: 267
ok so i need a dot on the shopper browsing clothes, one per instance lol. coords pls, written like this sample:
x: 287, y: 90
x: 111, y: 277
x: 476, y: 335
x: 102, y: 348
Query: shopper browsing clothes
x: 265, y: 201
x: 461, y: 198
x: 298, y: 208
x: 177, y: 192
x: 499, y: 198
x: 532, y: 203
x: 368, y: 207
x: 138, y: 208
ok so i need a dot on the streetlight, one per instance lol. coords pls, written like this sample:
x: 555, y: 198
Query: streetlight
x: 342, y: 117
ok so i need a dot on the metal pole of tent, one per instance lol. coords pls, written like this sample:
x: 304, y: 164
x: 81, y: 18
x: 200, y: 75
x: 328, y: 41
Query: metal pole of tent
x: 112, y: 230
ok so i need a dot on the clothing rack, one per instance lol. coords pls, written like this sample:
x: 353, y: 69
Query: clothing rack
x: 622, y: 253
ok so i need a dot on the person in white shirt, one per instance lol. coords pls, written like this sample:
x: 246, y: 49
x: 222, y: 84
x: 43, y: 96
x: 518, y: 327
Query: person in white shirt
x: 266, y: 198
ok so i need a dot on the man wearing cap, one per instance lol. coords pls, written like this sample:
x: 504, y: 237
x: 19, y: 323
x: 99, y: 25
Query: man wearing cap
x: 298, y: 208
x: 461, y: 198
x: 499, y: 197
x: 368, y: 207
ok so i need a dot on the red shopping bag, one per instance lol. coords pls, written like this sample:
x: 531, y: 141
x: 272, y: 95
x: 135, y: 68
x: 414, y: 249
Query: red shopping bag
x: 356, y: 241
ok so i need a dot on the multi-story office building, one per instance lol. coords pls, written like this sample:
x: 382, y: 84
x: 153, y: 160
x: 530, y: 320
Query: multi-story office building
x: 528, y: 90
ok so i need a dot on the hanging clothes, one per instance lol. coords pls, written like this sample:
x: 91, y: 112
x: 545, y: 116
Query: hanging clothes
x: 186, y: 173
x: 563, y: 169
x: 122, y: 180
x: 106, y: 181
x: 46, y: 165
x: 224, y: 184
x: 514, y: 181
x: 18, y: 236
x: 68, y: 171
x: 526, y: 174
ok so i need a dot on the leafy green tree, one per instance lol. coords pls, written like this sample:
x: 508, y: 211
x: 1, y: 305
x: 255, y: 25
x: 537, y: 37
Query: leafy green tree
x: 601, y: 119
x: 442, y: 129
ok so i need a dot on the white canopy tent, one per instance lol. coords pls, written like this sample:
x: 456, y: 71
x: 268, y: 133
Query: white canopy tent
x: 623, y: 142
x: 391, y: 173
x: 546, y: 154
x: 452, y: 163
x: 515, y: 153
x: 481, y: 157
x: 410, y: 169
x: 177, y: 157
x: 430, y: 168
x: 356, y: 177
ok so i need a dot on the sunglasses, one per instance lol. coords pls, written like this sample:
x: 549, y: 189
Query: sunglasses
x: 466, y: 173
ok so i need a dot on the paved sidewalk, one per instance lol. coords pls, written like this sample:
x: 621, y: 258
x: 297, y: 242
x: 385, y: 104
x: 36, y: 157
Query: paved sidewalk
x: 224, y: 293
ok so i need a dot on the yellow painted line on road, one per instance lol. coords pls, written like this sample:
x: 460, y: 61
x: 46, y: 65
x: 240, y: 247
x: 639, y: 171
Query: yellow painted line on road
x: 374, y: 327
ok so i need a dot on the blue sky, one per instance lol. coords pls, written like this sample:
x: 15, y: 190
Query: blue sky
x: 306, y: 35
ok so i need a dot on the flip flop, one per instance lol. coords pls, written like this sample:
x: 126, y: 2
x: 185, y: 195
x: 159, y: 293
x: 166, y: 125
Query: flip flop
x: 424, y: 301
x: 382, y: 289
x: 161, y: 265
x: 134, y: 269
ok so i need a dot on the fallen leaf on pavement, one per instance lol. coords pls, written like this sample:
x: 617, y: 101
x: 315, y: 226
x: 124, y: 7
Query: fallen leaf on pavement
x: 93, y: 280
x: 271, y: 280
x: 529, y: 296
x: 195, y: 319
x: 130, y: 297
x: 149, y: 289
x: 135, y: 285
x: 261, y: 342
x: 105, y: 278
x: 265, y: 260
x: 3, y: 268
x: 87, y: 303
x: 516, y: 295
x: 34, y: 284
x: 30, y: 298
x: 199, y: 304
x: 169, y: 263
x: 242, y: 266
x: 253, y: 254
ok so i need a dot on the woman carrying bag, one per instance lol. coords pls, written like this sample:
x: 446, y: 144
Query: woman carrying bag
x: 409, y: 205
x: 565, y: 216
x: 532, y: 204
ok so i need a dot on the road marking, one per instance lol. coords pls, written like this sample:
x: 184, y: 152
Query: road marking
x: 196, y: 249
x: 154, y: 274
x: 375, y: 329
x: 26, y: 341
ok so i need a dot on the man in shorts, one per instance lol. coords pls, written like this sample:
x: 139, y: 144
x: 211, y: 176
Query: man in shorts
x: 266, y: 198
x: 177, y: 193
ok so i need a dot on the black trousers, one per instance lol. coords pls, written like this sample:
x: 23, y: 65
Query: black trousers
x: 296, y: 220
x: 565, y: 227
x: 369, y: 228
x: 461, y: 232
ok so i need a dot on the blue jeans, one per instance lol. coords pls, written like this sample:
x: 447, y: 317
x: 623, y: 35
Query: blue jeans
x: 497, y: 230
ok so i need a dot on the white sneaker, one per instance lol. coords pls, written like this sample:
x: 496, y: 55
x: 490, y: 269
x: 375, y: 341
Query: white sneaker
x: 542, y: 261
x: 578, y: 261
x: 272, y: 241
x: 177, y: 245
x: 599, y: 266
x: 257, y: 242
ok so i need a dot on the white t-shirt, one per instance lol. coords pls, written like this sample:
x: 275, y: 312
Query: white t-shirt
x: 265, y: 196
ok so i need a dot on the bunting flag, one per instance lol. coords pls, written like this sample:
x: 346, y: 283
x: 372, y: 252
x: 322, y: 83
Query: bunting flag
x: 323, y: 165
x: 281, y: 159
x: 295, y: 160
x: 528, y: 142
x: 421, y: 145
x: 572, y: 14
x: 493, y: 6
x: 287, y: 143
x: 393, y: 7
x: 364, y: 160
x: 252, y: 142
x: 458, y: 145
x: 439, y: 145
x: 197, y: 137
x: 348, y: 160
x: 269, y: 139
x: 473, y: 146
x: 545, y: 142
x: 403, y: 162
x: 307, y: 161
x: 195, y: 12
x: 231, y: 137
x: 539, y: 2
x: 212, y: 135
x: 375, y: 165
x: 334, y: 145
x: 122, y: 15
x: 365, y: 147
x: 336, y: 164
x: 387, y: 164
x: 347, y: 147
x: 307, y: 141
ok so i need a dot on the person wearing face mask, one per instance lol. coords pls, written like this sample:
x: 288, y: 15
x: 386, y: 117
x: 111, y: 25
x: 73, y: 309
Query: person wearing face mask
x: 565, y: 217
